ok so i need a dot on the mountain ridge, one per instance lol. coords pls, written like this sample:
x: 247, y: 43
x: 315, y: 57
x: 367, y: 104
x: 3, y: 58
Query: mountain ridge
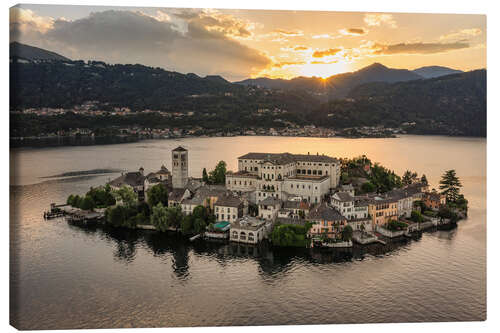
x: 28, y: 52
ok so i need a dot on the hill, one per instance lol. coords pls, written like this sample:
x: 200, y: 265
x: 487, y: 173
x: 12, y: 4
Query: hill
x: 453, y: 105
x: 429, y: 72
x: 336, y: 86
x: 18, y: 50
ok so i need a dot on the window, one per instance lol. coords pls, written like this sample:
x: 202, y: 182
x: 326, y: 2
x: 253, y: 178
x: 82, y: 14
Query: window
x: 309, y: 171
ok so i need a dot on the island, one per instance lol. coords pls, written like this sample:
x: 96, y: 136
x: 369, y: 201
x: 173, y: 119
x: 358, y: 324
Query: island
x: 289, y: 200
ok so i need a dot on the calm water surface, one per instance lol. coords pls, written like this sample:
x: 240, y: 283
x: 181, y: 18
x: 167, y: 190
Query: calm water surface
x: 64, y: 276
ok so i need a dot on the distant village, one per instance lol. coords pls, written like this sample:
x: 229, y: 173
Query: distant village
x: 285, y: 128
x: 271, y: 190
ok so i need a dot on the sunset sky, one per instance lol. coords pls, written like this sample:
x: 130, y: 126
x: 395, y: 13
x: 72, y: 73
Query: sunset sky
x: 238, y: 44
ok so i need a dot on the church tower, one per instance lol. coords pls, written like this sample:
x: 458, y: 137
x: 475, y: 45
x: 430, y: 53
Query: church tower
x: 179, y: 167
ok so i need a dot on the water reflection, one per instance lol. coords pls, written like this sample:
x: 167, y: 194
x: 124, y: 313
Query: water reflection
x: 272, y: 261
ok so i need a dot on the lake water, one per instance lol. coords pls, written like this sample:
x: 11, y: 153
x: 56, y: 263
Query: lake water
x: 63, y: 276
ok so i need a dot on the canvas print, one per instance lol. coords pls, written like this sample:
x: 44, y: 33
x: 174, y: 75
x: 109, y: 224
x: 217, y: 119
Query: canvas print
x: 176, y: 167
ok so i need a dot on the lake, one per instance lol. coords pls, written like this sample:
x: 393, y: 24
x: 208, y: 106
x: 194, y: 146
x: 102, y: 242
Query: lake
x: 63, y: 276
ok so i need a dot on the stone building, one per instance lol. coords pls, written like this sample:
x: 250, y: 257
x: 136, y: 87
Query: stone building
x: 179, y: 167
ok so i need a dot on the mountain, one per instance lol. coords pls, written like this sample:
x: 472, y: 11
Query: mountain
x: 429, y: 72
x: 23, y: 51
x: 336, y: 86
x: 453, y: 104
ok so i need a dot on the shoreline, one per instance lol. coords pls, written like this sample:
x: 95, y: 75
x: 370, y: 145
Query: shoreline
x: 58, y: 141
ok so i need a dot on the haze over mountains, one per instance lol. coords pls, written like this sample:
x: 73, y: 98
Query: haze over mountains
x: 338, y: 86
x: 437, y: 100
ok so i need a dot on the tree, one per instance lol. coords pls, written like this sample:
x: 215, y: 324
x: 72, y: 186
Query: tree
x: 205, y: 176
x: 116, y: 216
x: 347, y: 233
x: 174, y: 217
x: 71, y: 200
x: 126, y: 195
x: 409, y: 177
x: 199, y: 225
x: 187, y: 225
x: 218, y: 175
x: 87, y: 203
x: 416, y: 217
x: 368, y: 187
x: 157, y: 194
x: 450, y: 186
x: 159, y: 217
x: 423, y: 180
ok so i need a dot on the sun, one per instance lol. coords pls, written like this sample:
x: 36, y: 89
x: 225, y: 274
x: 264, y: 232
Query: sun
x: 323, y: 70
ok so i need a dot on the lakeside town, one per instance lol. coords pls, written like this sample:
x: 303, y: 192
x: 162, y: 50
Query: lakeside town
x: 282, y: 127
x: 298, y: 200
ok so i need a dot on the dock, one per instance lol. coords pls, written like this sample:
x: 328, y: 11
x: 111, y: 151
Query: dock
x: 73, y: 215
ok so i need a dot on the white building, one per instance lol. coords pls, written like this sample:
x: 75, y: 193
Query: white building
x: 273, y: 167
x: 269, y: 208
x: 248, y: 230
x: 241, y: 181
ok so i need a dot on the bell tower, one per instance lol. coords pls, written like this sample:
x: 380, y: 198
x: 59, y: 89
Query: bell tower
x: 179, y: 167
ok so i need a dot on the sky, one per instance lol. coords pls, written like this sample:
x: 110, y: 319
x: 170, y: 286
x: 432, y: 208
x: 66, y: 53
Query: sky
x: 239, y: 44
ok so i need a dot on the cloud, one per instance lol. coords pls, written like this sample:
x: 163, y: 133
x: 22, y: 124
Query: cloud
x: 416, y: 48
x: 188, y: 41
x: 380, y: 19
x: 462, y: 34
x: 324, y: 36
x: 353, y: 32
x: 25, y: 21
x: 288, y: 33
x: 326, y: 53
x: 288, y: 64
x: 317, y: 62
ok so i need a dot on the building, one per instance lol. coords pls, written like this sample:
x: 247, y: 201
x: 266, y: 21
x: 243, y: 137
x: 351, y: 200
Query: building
x: 241, y: 181
x: 176, y: 196
x: 228, y: 208
x: 134, y: 180
x: 248, y: 230
x: 405, y: 201
x: 382, y: 209
x: 284, y: 174
x: 269, y: 207
x: 179, y: 167
x: 434, y: 200
x: 297, y: 209
x: 326, y: 221
x: 309, y: 188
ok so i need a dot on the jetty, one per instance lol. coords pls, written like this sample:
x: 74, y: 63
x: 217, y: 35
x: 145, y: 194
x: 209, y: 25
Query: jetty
x: 74, y: 215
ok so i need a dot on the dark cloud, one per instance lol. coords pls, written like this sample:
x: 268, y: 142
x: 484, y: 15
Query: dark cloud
x: 325, y: 53
x: 356, y: 31
x: 418, y: 48
x: 204, y: 45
